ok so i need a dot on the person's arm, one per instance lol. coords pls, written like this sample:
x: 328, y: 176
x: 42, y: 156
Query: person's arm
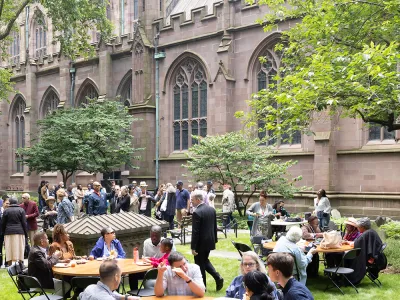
x: 150, y: 197
x: 250, y: 211
x: 306, y: 234
x: 91, y: 205
x: 187, y: 195
x: 327, y: 206
x: 121, y: 252
x: 196, y: 225
x: 196, y: 285
x: 35, y: 212
x: 161, y: 281
x: 232, y: 288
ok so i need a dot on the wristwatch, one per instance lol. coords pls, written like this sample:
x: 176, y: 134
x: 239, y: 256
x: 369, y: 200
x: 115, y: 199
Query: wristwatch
x: 189, y: 281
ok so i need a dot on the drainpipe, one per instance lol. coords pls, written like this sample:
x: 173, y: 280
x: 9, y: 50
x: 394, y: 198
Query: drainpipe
x: 156, y: 38
x: 72, y: 71
x: 27, y: 28
x: 121, y: 30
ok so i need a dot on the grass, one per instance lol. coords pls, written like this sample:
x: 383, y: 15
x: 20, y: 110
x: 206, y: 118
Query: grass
x: 229, y: 268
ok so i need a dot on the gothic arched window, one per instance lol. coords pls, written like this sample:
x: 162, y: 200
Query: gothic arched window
x: 266, y: 79
x: 19, y: 131
x: 40, y: 36
x: 126, y: 92
x: 50, y: 103
x: 14, y: 48
x: 189, y: 104
x: 88, y: 92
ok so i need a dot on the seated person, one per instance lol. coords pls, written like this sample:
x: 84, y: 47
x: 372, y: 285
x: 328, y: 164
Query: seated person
x: 258, y: 286
x: 106, y: 245
x: 370, y: 244
x: 280, y: 267
x: 49, y: 213
x: 311, y: 230
x: 351, y: 232
x: 110, y: 278
x: 179, y: 278
x: 250, y: 262
x: 166, y: 248
x: 288, y: 244
x: 40, y: 264
x: 62, y: 243
x: 279, y: 210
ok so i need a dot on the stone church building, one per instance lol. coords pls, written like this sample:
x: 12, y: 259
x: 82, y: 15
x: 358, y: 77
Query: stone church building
x: 207, y: 53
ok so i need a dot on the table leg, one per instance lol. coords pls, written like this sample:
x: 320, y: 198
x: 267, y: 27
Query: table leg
x: 63, y: 288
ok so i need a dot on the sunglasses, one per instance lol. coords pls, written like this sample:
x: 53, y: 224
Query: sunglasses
x: 110, y: 232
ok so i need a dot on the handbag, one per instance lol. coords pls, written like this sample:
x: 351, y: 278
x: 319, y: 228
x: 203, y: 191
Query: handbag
x: 164, y: 205
x: 331, y: 240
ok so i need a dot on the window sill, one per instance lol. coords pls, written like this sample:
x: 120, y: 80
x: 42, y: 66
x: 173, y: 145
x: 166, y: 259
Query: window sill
x: 49, y: 174
x: 17, y: 175
x: 176, y: 155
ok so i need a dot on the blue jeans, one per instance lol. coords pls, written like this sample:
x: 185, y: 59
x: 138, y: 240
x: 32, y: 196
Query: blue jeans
x: 324, y: 219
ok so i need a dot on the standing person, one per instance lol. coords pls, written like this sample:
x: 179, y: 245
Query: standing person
x: 160, y: 197
x: 124, y: 201
x: 200, y: 187
x: 15, y: 231
x: 168, y: 209
x: 136, y: 189
x: 32, y: 212
x: 182, y: 202
x: 228, y: 203
x: 65, y: 208
x: 97, y: 201
x: 134, y: 199
x: 280, y: 267
x: 59, y: 186
x: 145, y: 200
x: 210, y: 187
x: 5, y: 205
x: 204, y: 237
x: 40, y: 198
x: 322, y: 209
x: 79, y: 196
x: 88, y: 192
x: 260, y: 211
x: 44, y: 191
x: 113, y: 197
x: 49, y: 213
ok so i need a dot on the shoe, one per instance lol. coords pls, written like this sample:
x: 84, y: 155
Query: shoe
x: 220, y: 283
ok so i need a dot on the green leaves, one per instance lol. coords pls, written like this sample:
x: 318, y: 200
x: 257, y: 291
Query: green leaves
x: 94, y: 139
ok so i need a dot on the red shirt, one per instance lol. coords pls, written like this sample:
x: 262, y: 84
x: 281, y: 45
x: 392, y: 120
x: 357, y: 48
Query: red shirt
x: 32, y: 212
x: 156, y: 261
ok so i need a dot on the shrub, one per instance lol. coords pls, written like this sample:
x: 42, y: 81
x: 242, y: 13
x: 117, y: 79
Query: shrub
x: 392, y: 252
x: 392, y: 229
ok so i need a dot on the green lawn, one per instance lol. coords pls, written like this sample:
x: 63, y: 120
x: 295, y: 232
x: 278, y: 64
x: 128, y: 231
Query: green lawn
x: 229, y: 268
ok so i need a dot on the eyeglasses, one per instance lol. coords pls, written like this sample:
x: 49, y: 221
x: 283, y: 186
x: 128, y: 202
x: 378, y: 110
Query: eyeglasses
x: 110, y: 232
x: 248, y: 265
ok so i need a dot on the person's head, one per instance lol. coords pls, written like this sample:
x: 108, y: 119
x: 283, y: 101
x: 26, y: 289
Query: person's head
x: 196, y: 197
x: 351, y: 224
x: 177, y: 260
x: 25, y: 197
x: 364, y: 224
x: 263, y: 199
x: 110, y: 274
x: 251, y: 262
x: 226, y: 186
x: 209, y: 185
x: 313, y: 221
x: 294, y: 234
x: 190, y: 188
x: 199, y: 185
x: 169, y: 188
x: 96, y: 186
x: 69, y: 188
x: 134, y: 183
x: 155, y: 234
x: 61, y: 184
x: 42, y: 183
x: 280, y: 266
x: 40, y: 239
x: 13, y: 200
x: 108, y: 234
x: 143, y: 186
x: 60, y: 235
x: 47, y: 183
x: 79, y: 187
x: 321, y: 193
x: 166, y: 245
x: 89, y: 186
x: 50, y: 201
x: 6, y: 203
x: 124, y: 190
x: 73, y: 185
x: 179, y: 184
x: 257, y: 283
x: 131, y: 188
x: 60, y: 194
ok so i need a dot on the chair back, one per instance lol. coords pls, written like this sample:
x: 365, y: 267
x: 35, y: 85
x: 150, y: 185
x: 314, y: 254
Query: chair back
x: 351, y: 254
x: 149, y: 279
x: 83, y: 282
x: 30, y: 282
x: 384, y: 245
x: 240, y: 247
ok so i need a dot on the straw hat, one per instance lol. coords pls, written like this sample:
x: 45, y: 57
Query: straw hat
x: 143, y: 184
x: 351, y: 221
x: 50, y: 198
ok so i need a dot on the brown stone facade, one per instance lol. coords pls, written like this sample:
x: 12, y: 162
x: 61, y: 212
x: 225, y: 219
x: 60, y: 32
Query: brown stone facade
x: 225, y: 42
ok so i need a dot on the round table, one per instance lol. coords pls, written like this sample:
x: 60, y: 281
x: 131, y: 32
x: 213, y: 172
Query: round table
x: 91, y: 268
x: 283, y: 223
x: 343, y: 248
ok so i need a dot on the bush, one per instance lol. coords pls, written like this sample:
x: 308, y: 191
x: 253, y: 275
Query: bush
x: 392, y: 229
x: 392, y: 252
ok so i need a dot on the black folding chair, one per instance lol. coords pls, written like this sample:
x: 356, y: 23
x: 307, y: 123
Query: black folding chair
x: 240, y: 247
x: 146, y: 288
x: 79, y: 284
x: 337, y: 272
x: 373, y: 269
x: 13, y: 272
x: 30, y: 282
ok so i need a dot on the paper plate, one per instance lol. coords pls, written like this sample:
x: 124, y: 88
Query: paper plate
x: 62, y: 265
x: 143, y: 264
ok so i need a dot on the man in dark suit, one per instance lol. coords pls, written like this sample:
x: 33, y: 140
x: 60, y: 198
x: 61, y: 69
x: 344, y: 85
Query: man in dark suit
x: 39, y: 263
x: 204, y: 237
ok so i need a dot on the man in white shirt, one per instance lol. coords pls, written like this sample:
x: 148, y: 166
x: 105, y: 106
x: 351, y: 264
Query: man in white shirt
x: 228, y: 203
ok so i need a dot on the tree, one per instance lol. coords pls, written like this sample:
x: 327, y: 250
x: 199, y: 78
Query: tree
x: 94, y: 139
x: 72, y: 22
x: 341, y: 57
x: 240, y: 161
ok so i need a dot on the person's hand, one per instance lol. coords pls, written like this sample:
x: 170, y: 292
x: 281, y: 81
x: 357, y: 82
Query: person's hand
x: 314, y: 212
x: 57, y: 254
x: 194, y: 252
x: 319, y: 235
x: 180, y: 273
x: 146, y: 260
x: 313, y: 251
x: 91, y: 257
x: 162, y: 267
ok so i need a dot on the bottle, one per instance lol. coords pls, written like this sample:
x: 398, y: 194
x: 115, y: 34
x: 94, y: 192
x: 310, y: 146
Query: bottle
x: 135, y: 255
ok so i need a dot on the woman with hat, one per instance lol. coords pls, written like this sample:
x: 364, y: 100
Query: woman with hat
x: 49, y: 213
x: 352, y: 231
x: 145, y: 200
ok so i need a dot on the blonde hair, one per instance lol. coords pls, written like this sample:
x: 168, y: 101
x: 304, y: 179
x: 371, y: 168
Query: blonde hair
x: 256, y: 258
x: 170, y: 188
x: 60, y: 193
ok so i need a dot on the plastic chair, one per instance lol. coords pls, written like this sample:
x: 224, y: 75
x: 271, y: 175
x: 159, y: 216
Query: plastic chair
x: 13, y: 272
x: 373, y: 270
x: 240, y: 247
x: 146, y: 288
x: 30, y: 282
x: 333, y: 273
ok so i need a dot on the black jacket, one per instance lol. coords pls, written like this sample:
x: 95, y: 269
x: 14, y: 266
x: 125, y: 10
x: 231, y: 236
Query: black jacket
x: 123, y: 203
x: 41, y: 267
x: 150, y: 201
x: 204, y: 228
x: 14, y: 221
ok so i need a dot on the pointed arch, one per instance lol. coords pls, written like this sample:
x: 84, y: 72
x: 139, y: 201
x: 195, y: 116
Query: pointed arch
x: 124, y: 90
x: 38, y: 33
x: 17, y: 121
x: 88, y: 89
x: 50, y: 101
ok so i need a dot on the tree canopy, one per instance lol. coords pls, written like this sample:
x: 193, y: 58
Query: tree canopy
x: 238, y: 160
x: 94, y: 139
x: 341, y: 57
x: 72, y: 22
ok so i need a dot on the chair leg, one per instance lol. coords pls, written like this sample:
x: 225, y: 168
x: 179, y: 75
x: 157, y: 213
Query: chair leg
x: 350, y: 283
x: 333, y: 281
x: 376, y: 281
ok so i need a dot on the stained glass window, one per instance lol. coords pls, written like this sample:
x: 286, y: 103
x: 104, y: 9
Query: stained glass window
x: 89, y: 92
x: 19, y: 119
x: 126, y: 92
x: 189, y: 104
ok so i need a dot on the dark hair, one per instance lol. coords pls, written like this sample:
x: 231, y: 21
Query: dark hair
x: 42, y: 183
x: 312, y: 218
x: 323, y: 193
x: 130, y: 187
x: 108, y: 269
x: 167, y: 242
x: 37, y: 238
x: 5, y: 197
x: 13, y: 201
x: 263, y: 193
x: 275, y: 206
x: 174, y: 257
x: 104, y: 231
x: 58, y: 231
x: 282, y: 262
x: 258, y: 283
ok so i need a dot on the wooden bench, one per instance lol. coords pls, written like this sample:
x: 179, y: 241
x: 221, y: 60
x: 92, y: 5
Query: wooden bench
x: 180, y: 233
x: 222, y: 218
